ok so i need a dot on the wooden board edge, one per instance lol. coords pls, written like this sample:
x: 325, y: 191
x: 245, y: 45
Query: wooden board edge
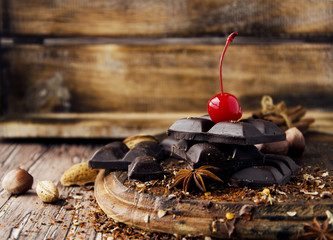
x: 187, y: 216
x: 88, y: 125
x: 114, y: 125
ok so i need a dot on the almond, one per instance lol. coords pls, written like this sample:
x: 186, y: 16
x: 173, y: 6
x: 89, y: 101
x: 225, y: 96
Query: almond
x: 134, y: 140
x: 79, y: 174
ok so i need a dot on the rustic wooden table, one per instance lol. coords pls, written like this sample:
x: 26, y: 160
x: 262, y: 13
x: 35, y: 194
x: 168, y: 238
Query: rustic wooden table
x: 26, y: 217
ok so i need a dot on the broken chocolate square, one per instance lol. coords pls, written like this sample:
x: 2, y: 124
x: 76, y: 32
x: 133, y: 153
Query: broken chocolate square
x: 145, y: 168
x: 276, y: 170
x: 146, y: 148
x: 110, y: 157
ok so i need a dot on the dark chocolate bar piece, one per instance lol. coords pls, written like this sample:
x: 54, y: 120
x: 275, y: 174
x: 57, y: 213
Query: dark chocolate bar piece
x: 192, y: 125
x: 205, y: 154
x: 224, y: 156
x: 286, y: 160
x: 146, y: 148
x: 228, y: 158
x: 242, y: 156
x: 168, y: 144
x: 283, y: 169
x: 110, y: 157
x: 276, y: 170
x: 145, y: 168
x: 258, y: 177
x: 245, y: 132
x: 180, y: 148
x: 117, y: 156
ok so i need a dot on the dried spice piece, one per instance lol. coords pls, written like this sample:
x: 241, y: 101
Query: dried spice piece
x: 283, y: 116
x: 161, y: 213
x: 246, y: 211
x: 69, y: 207
x: 225, y: 226
x: 329, y: 217
x: 316, y: 231
x: 219, y: 192
x: 186, y: 176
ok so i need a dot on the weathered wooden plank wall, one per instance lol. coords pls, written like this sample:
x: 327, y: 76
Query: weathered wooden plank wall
x: 163, y: 78
x: 151, y: 57
x: 168, y: 17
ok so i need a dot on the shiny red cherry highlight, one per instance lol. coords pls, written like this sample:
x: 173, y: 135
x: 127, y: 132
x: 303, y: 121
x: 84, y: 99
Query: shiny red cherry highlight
x: 224, y: 106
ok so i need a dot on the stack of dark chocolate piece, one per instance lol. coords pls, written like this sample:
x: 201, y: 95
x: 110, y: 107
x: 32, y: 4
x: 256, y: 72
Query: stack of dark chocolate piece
x: 142, y: 161
x: 229, y: 146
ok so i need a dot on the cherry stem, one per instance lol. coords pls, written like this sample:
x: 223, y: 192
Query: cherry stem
x: 229, y: 40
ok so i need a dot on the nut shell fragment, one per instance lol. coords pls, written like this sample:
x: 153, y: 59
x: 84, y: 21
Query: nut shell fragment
x: 161, y: 213
x: 79, y: 174
x: 292, y: 213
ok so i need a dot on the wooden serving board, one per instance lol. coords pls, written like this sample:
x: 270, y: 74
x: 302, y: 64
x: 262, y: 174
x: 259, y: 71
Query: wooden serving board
x: 189, y: 216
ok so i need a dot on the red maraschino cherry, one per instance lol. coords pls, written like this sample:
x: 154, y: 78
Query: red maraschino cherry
x: 224, y: 106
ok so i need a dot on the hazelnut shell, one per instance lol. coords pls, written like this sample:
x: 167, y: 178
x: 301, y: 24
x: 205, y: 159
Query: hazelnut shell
x: 296, y: 141
x: 17, y: 181
x: 280, y: 148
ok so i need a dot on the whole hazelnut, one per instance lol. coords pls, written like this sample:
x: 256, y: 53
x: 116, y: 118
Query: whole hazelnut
x: 280, y: 148
x: 17, y: 181
x: 47, y: 191
x: 296, y: 142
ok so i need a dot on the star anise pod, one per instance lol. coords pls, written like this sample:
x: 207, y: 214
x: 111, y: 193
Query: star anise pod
x: 317, y: 232
x: 186, y: 176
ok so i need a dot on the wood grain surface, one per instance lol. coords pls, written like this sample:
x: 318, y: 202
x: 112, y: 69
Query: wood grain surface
x: 25, y: 216
x: 167, y: 18
x: 163, y: 78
